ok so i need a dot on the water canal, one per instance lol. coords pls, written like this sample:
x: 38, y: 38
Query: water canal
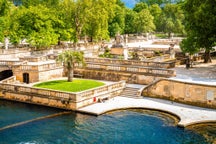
x: 119, y: 127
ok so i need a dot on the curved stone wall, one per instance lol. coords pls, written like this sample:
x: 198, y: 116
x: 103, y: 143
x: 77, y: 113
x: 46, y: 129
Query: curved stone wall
x: 185, y: 92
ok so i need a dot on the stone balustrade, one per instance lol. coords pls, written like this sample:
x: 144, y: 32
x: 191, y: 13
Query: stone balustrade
x: 41, y: 67
x: 132, y: 62
x: 54, y: 98
x: 8, y: 62
x: 9, y: 80
x: 130, y: 69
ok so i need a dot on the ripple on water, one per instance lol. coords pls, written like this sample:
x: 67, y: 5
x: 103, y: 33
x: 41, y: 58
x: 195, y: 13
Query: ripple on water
x: 118, y: 127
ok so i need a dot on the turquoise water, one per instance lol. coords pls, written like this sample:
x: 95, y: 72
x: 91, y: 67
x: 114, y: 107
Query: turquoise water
x: 119, y: 127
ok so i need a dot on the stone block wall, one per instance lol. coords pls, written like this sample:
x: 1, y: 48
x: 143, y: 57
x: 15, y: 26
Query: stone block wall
x: 185, y: 92
x: 134, y: 78
x: 35, y: 76
x: 59, y: 99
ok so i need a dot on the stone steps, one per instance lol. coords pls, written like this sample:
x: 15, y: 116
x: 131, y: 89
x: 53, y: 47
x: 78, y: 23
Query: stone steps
x: 130, y: 92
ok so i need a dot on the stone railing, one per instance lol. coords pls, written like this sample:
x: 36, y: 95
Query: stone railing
x: 13, y: 53
x: 39, y: 67
x: 13, y: 50
x: 38, y: 91
x: 131, y: 62
x: 96, y: 92
x: 33, y: 59
x: 130, y: 69
x: 9, y: 80
x: 8, y: 62
x: 67, y: 100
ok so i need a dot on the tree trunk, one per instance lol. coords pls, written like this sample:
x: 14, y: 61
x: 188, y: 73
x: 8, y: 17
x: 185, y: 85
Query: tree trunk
x: 169, y: 35
x: 70, y: 74
x: 207, y: 57
x: 59, y: 41
x: 91, y: 39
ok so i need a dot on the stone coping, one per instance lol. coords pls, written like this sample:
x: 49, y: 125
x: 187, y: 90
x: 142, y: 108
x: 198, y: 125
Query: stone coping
x: 187, y: 115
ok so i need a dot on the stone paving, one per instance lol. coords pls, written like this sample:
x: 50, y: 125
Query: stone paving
x: 187, y: 114
x: 200, y: 73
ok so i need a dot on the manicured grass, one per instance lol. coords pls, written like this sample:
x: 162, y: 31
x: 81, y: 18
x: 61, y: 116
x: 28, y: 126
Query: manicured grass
x: 75, y: 86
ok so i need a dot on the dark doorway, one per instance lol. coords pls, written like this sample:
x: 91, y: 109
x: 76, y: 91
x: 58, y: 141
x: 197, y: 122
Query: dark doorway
x: 6, y: 74
x: 26, y: 78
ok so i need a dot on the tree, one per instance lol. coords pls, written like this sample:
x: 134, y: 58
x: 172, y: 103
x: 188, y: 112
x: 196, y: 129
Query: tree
x: 189, y: 45
x: 130, y: 17
x: 200, y: 20
x: 172, y: 19
x: 96, y: 26
x: 117, y: 24
x: 160, y: 2
x: 144, y: 22
x: 140, y: 6
x: 69, y: 59
x: 156, y: 12
x: 6, y: 9
x: 37, y: 27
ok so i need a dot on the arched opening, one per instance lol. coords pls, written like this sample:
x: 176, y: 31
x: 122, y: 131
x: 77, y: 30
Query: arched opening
x: 26, y: 78
x: 6, y: 74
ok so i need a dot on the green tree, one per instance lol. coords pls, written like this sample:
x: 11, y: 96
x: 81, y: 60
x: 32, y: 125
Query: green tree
x: 6, y: 8
x: 117, y: 24
x: 200, y: 17
x: 37, y: 27
x: 144, y: 22
x: 46, y: 3
x: 96, y: 26
x: 172, y: 19
x: 189, y: 45
x: 160, y: 2
x: 69, y: 59
x: 140, y: 6
x: 130, y: 17
x: 156, y: 12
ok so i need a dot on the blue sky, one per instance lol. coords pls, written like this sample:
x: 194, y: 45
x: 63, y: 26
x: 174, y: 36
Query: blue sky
x: 129, y: 3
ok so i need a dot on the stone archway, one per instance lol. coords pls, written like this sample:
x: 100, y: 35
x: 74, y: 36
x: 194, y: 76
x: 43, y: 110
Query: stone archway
x: 6, y: 74
x: 26, y: 78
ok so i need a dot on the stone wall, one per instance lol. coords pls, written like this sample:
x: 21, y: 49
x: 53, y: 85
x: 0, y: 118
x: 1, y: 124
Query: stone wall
x: 64, y: 100
x: 38, y: 72
x: 133, y: 62
x: 185, y: 92
x: 134, y: 78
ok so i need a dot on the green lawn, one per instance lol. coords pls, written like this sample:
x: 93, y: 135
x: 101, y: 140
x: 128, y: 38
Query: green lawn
x: 75, y: 86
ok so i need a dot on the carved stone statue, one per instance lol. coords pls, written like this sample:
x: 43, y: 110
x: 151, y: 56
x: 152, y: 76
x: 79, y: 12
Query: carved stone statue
x: 119, y: 40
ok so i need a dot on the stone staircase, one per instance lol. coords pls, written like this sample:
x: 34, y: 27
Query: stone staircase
x: 130, y: 92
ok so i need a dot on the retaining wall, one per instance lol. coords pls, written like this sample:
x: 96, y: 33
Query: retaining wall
x: 59, y: 99
x: 185, y: 92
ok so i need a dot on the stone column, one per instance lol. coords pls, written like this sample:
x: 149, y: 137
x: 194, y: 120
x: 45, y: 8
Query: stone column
x: 6, y: 43
x: 147, y: 36
x: 125, y: 52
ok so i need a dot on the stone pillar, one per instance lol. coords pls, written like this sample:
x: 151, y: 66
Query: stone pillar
x: 172, y: 34
x: 147, y: 36
x: 125, y: 52
x: 6, y: 43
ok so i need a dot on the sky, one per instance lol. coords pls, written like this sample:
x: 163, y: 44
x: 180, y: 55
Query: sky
x: 129, y: 3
